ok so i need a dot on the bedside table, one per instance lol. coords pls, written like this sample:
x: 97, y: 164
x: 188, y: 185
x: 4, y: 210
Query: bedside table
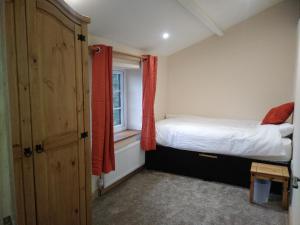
x: 273, y: 173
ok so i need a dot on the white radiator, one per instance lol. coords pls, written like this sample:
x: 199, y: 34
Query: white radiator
x: 128, y: 159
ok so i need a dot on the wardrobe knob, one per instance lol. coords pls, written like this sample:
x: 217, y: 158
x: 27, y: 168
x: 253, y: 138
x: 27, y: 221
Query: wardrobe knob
x: 39, y: 148
x: 27, y: 152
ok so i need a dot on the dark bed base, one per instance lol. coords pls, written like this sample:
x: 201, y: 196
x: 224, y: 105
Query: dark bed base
x: 212, y: 167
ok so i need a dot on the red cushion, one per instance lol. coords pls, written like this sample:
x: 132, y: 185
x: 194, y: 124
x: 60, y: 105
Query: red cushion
x: 279, y: 114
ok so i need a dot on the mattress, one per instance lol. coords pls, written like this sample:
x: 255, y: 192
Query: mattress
x: 241, y: 138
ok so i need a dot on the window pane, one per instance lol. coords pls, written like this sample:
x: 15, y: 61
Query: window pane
x: 117, y: 117
x: 116, y: 82
x: 117, y: 100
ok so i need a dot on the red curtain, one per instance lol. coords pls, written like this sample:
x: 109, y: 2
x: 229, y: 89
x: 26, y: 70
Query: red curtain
x: 148, y: 141
x: 103, y: 158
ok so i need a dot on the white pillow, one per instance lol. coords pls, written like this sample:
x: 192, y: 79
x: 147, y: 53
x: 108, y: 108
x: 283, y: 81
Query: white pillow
x: 286, y: 129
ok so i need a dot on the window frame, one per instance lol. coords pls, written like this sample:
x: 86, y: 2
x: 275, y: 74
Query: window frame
x: 123, y: 125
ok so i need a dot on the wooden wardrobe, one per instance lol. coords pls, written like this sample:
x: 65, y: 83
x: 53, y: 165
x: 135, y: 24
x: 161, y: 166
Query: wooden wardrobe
x: 49, y: 105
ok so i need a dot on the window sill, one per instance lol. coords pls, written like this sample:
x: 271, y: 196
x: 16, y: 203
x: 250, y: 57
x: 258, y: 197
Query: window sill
x: 126, y: 134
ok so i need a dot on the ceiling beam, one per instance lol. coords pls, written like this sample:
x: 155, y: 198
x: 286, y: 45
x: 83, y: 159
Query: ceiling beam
x: 194, y: 8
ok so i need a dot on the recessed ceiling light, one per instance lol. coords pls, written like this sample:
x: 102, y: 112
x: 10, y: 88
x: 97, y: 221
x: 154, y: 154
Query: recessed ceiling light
x: 165, y: 35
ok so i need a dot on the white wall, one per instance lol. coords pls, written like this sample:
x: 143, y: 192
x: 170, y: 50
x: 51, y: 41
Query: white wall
x: 160, y: 106
x: 134, y: 92
x: 295, y: 205
x: 240, y: 75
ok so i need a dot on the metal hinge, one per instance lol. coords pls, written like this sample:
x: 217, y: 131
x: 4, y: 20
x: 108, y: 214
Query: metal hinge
x: 81, y: 37
x: 84, y: 135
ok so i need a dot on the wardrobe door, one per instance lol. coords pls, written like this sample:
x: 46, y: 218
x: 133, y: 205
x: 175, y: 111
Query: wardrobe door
x: 55, y: 68
x: 17, y: 69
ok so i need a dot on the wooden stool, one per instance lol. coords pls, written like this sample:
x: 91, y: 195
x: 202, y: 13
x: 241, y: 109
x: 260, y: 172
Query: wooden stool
x: 273, y: 173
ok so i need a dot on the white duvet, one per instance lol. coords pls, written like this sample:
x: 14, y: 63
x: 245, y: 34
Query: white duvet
x: 229, y: 137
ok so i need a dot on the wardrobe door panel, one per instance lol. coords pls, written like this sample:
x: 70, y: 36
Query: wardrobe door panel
x: 57, y: 105
x: 14, y: 109
x: 17, y: 68
x: 57, y: 70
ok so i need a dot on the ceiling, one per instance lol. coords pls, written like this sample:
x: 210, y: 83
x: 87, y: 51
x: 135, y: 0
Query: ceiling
x: 141, y: 23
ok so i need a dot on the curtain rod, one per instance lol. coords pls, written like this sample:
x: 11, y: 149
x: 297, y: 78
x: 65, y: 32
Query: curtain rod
x: 97, y: 49
x: 128, y: 55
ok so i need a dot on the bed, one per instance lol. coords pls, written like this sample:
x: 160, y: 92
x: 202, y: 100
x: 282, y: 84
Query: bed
x: 218, y: 149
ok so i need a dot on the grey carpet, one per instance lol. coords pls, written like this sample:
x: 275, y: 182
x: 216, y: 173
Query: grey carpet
x: 154, y: 198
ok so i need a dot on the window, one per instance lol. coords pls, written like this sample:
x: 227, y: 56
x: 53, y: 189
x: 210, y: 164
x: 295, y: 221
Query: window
x: 119, y: 100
